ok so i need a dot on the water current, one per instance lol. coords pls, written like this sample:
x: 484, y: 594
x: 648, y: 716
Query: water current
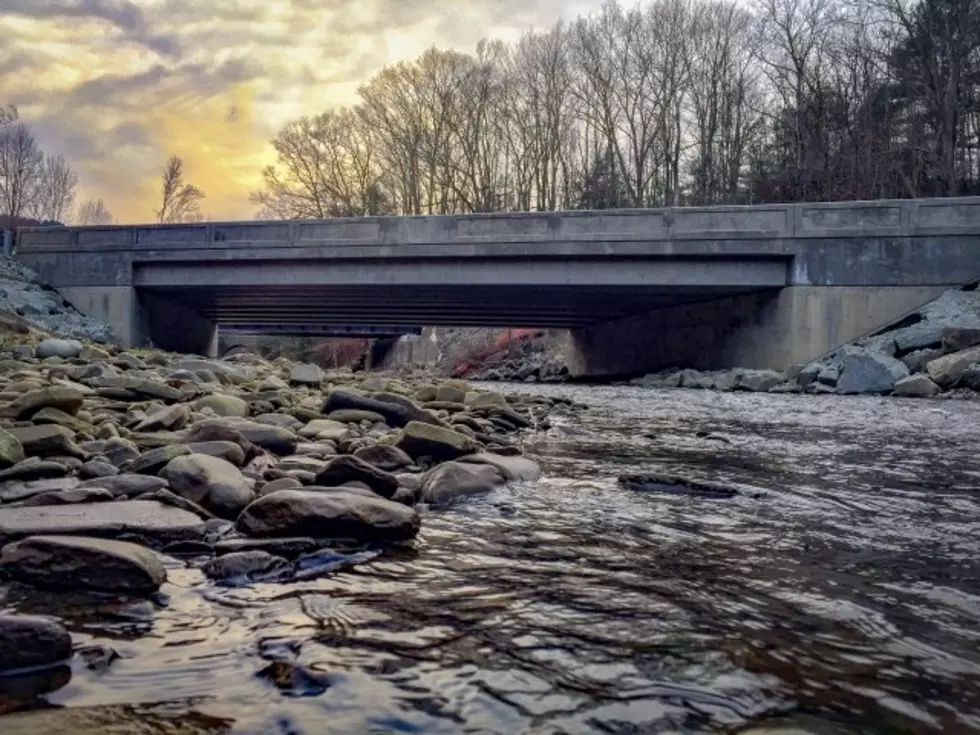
x: 838, y: 593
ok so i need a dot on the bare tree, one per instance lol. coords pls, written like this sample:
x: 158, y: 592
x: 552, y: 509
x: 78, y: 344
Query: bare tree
x: 54, y: 190
x: 181, y: 201
x: 94, y: 212
x: 20, y: 166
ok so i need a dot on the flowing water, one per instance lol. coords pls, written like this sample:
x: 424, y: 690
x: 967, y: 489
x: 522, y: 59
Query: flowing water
x: 838, y: 593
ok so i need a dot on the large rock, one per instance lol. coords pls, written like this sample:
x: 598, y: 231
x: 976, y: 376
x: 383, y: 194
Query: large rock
x: 917, y: 361
x: 69, y: 497
x: 126, y: 484
x: 218, y: 432
x: 271, y: 438
x: 48, y: 440
x: 306, y: 374
x: 870, y: 372
x: 63, y: 348
x: 147, y: 519
x: 242, y: 564
x: 325, y: 429
x: 395, y: 414
x: 916, y: 386
x: 758, y: 380
x: 917, y: 337
x: 154, y: 460
x: 329, y: 515
x: 425, y: 440
x: 62, y: 397
x: 384, y: 456
x: 171, y: 418
x: 226, y: 450
x: 452, y: 480
x: 232, y: 406
x: 28, y: 642
x: 11, y: 450
x: 956, y: 339
x: 210, y: 482
x: 347, y: 468
x: 512, y: 468
x: 946, y: 371
x: 70, y: 562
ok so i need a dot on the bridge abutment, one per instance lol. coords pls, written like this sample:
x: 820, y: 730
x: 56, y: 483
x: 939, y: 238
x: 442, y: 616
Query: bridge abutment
x: 767, y: 329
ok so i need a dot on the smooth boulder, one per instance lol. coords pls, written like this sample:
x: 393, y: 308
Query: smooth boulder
x: 347, y: 468
x: 228, y: 406
x: 329, y: 515
x: 384, y: 456
x: 63, y: 348
x: 916, y: 386
x: 452, y: 480
x: 306, y: 374
x: 425, y: 440
x: 74, y: 562
x: 29, y: 641
x: 512, y: 468
x: 63, y: 397
x: 211, y: 482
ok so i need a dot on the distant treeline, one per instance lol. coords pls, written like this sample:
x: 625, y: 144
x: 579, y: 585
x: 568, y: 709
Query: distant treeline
x: 672, y: 102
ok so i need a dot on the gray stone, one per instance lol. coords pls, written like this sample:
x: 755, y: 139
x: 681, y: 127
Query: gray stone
x: 288, y: 548
x: 512, y: 468
x: 306, y: 374
x: 63, y: 348
x: 870, y: 372
x: 809, y: 373
x: 956, y: 339
x: 917, y: 361
x: 971, y: 377
x: 283, y: 483
x: 150, y: 520
x: 28, y: 642
x: 329, y: 515
x: 95, y: 468
x: 50, y: 415
x: 355, y: 416
x: 69, y: 497
x: 34, y: 468
x: 127, y: 484
x: 236, y: 565
x: 279, y: 419
x: 384, y: 456
x: 271, y: 438
x: 725, y: 381
x: 340, y: 470
x: 222, y: 405
x: 916, y: 386
x: 394, y: 414
x: 62, y: 397
x: 151, y: 462
x: 211, y: 482
x: 226, y: 450
x: 325, y: 429
x: 172, y: 418
x: 488, y: 399
x: 829, y: 375
x: 70, y: 562
x: 788, y: 387
x: 452, y: 480
x: 46, y: 441
x: 946, y: 371
x: 425, y: 440
x: 450, y: 393
x: 758, y: 380
x: 917, y: 337
x: 11, y: 450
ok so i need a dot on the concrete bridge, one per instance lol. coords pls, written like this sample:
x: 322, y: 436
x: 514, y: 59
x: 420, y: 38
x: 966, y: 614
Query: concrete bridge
x: 757, y: 286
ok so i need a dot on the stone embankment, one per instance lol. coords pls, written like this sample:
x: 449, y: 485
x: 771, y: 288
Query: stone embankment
x: 115, y: 466
x: 933, y: 352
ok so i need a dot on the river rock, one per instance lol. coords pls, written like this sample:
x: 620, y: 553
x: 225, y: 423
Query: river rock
x: 450, y: 394
x: 48, y: 440
x: 50, y: 415
x: 223, y: 405
x: 288, y: 548
x: 11, y: 450
x: 271, y: 438
x: 151, y: 462
x: 283, y: 483
x: 917, y: 361
x: 425, y: 440
x: 452, y: 480
x: 147, y: 519
x: 325, y: 430
x: 916, y: 386
x: 279, y: 419
x: 355, y: 416
x: 273, y: 382
x: 394, y: 414
x: 63, y: 348
x: 150, y: 389
x: 329, y: 515
x: 384, y: 456
x: 870, y: 372
x: 241, y: 564
x: 211, y: 482
x: 28, y: 641
x: 69, y: 497
x: 957, y: 339
x: 62, y: 397
x: 946, y: 371
x: 306, y: 374
x: 758, y: 380
x: 34, y: 468
x: 97, y: 468
x: 172, y: 418
x: 70, y: 562
x: 829, y: 375
x: 126, y: 484
x: 512, y: 468
x: 228, y: 451
x: 349, y: 468
x: 215, y: 432
x: 809, y: 374
x: 917, y: 337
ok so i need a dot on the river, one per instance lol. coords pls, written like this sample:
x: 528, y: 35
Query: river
x: 839, y: 593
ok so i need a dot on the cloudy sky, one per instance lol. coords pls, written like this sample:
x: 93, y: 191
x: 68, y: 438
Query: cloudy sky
x: 119, y: 85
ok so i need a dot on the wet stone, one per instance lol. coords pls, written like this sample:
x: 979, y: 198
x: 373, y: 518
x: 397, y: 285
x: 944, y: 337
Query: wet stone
x: 27, y: 641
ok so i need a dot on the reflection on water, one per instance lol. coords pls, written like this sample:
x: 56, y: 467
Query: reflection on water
x: 842, y: 592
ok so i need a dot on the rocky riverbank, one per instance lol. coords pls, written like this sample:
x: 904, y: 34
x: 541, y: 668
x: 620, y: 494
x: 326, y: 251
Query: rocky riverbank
x: 115, y: 466
x: 934, y: 352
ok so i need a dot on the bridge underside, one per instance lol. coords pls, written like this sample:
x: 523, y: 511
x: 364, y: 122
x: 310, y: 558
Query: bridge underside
x: 280, y: 309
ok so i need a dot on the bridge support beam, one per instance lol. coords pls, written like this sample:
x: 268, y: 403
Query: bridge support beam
x: 759, y: 330
x: 141, y: 320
